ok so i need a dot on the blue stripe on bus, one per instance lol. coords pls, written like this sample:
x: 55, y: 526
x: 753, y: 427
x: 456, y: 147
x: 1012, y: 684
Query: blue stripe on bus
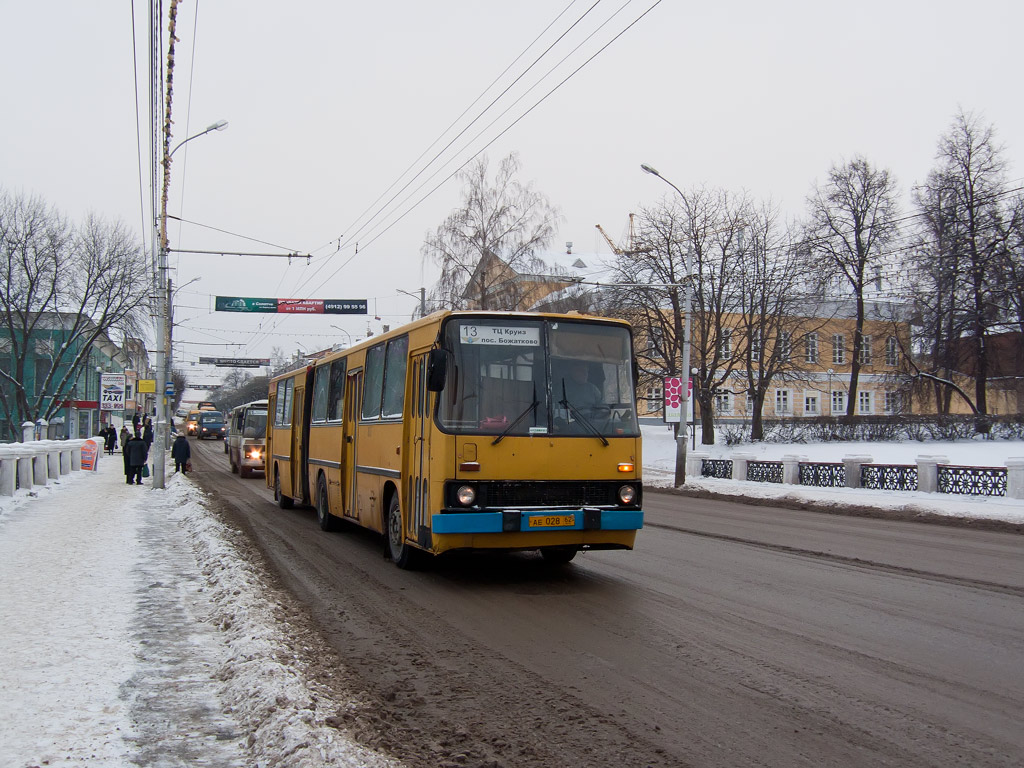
x: 491, y: 522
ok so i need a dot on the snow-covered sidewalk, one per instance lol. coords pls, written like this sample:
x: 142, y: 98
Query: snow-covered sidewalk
x: 133, y: 633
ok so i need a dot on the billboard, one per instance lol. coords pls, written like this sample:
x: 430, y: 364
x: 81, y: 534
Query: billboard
x: 291, y: 306
x: 112, y: 391
x: 235, y: 362
x: 674, y: 399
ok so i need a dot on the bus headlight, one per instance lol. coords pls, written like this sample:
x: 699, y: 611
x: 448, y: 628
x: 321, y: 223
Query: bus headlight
x: 466, y: 495
x: 254, y: 453
x: 627, y: 494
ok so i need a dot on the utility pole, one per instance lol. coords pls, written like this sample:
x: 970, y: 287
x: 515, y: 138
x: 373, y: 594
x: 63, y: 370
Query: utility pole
x: 159, y: 147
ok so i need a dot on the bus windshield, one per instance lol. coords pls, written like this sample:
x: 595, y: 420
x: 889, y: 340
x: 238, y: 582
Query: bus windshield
x: 255, y: 424
x: 538, y: 377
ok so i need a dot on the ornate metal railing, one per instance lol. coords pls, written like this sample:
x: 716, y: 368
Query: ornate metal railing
x: 764, y: 471
x: 822, y: 474
x: 972, y: 481
x: 721, y: 468
x: 889, y: 477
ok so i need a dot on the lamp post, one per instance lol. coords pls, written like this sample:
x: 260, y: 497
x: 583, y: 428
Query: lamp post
x: 164, y: 297
x: 347, y: 334
x: 99, y: 399
x: 684, y: 426
x: 830, y: 372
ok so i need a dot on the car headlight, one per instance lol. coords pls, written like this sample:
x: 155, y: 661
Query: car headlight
x: 627, y: 494
x: 466, y: 495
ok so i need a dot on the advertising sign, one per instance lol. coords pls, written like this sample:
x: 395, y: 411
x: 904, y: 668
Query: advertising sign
x: 112, y: 389
x: 674, y: 399
x: 90, y: 455
x: 291, y: 306
x: 234, y: 362
x: 147, y: 386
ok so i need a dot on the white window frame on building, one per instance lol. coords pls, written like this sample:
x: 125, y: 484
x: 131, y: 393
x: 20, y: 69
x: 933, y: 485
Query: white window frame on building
x: 811, y: 404
x: 755, y: 342
x: 811, y: 347
x: 838, y: 349
x: 783, y: 402
x: 750, y: 404
x: 725, y: 344
x: 724, y: 403
x: 655, y: 397
x: 865, y: 350
x: 838, y: 401
x: 892, y: 352
x: 785, y: 345
x: 893, y: 401
x: 865, y: 402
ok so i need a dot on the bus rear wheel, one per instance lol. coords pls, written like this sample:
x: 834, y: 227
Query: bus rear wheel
x: 558, y: 555
x: 284, y: 502
x: 327, y: 521
x: 399, y: 550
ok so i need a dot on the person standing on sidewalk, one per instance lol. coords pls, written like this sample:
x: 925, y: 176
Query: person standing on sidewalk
x: 124, y: 436
x: 181, y: 451
x: 136, y: 452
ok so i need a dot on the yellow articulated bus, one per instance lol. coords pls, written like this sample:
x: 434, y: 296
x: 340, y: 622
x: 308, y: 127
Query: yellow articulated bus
x: 468, y: 430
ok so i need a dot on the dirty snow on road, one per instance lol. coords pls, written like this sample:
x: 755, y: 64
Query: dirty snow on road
x: 134, y: 633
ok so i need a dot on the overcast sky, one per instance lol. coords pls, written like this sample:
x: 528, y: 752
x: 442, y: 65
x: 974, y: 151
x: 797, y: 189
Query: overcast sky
x: 329, y: 104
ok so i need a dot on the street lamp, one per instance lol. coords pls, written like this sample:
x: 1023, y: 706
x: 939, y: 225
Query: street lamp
x: 99, y: 399
x: 164, y: 299
x: 422, y: 297
x: 220, y: 125
x: 347, y: 334
x: 830, y: 372
x: 684, y: 426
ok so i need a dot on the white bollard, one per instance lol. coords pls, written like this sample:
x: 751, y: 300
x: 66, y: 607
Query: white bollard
x: 1015, y: 478
x: 695, y: 463
x: 8, y: 471
x: 739, y: 465
x: 928, y: 473
x: 852, y: 465
x: 791, y: 469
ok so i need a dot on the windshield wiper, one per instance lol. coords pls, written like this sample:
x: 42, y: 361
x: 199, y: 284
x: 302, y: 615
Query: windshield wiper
x: 580, y: 417
x: 519, y: 418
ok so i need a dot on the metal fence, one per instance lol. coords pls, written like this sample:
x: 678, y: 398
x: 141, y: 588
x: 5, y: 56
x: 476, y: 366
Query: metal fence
x: 823, y: 474
x: 764, y: 471
x: 721, y: 468
x: 889, y: 477
x: 972, y: 481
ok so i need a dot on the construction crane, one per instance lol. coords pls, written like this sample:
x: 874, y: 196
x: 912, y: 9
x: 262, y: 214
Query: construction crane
x: 611, y: 243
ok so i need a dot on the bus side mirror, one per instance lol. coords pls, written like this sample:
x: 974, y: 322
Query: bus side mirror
x: 437, y: 369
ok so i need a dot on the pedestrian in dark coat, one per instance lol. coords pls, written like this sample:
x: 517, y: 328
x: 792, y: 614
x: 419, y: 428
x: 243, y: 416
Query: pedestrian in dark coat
x: 124, y: 436
x: 110, y: 439
x: 182, y: 452
x: 147, y: 433
x: 136, y: 452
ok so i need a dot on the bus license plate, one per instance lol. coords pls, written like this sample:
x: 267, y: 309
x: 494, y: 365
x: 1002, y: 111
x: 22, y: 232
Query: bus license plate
x: 551, y: 521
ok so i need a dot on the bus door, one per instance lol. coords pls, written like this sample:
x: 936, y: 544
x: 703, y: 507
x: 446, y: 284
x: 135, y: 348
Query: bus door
x: 418, y: 471
x: 353, y: 391
x: 299, y: 437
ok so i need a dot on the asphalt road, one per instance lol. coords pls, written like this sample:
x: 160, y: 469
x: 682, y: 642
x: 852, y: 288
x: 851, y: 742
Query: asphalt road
x: 733, y: 635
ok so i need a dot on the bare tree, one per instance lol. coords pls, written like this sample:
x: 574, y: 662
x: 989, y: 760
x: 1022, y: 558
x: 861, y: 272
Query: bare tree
x: 965, y: 268
x: 704, y: 225
x: 853, y: 220
x: 775, y: 314
x: 64, y: 290
x: 493, y: 237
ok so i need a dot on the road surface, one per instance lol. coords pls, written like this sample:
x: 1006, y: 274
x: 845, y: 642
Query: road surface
x: 733, y: 635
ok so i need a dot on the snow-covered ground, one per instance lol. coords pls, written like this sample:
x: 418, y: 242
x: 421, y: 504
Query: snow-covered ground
x: 132, y: 631
x: 659, y: 470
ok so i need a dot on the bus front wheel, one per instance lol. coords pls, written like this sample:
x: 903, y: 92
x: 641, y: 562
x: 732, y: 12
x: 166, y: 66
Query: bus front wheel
x: 400, y: 552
